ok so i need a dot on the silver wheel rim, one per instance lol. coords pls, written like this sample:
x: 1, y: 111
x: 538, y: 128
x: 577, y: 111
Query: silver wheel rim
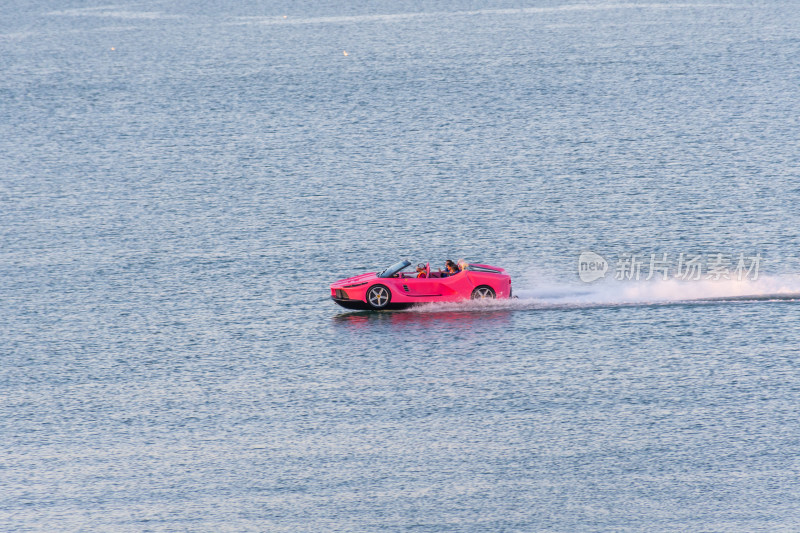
x: 483, y: 293
x: 378, y: 296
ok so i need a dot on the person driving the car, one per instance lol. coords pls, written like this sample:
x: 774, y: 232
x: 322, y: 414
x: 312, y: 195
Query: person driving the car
x: 421, y: 271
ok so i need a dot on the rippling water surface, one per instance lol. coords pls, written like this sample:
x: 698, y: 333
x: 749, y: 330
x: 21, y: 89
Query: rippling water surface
x: 181, y: 181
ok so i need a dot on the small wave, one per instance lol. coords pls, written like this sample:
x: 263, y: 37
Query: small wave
x: 113, y: 11
x: 399, y: 17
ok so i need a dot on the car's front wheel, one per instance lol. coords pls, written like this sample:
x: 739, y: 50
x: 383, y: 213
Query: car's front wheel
x: 378, y: 297
x: 483, y: 292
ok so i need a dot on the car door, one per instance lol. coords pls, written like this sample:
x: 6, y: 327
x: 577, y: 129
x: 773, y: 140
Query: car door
x: 420, y: 287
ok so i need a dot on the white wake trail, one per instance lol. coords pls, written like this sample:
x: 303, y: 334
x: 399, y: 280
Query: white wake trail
x: 549, y: 295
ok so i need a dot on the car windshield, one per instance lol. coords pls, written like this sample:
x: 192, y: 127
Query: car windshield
x: 394, y: 269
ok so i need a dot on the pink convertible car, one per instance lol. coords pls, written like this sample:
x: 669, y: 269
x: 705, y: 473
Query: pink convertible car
x: 396, y: 288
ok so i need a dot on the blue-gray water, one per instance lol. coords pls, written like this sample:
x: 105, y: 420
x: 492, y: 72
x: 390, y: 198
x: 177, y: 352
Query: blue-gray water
x: 180, y: 182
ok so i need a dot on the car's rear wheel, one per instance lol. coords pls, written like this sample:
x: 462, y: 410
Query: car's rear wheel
x: 483, y: 292
x: 379, y: 296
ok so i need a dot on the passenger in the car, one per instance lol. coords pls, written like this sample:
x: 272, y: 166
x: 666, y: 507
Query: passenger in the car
x: 421, y: 272
x: 452, y: 269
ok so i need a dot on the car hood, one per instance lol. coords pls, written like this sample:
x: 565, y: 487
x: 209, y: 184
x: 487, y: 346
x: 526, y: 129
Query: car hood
x: 356, y: 279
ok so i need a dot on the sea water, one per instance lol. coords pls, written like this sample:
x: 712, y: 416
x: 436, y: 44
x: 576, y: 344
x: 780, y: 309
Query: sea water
x: 181, y: 181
